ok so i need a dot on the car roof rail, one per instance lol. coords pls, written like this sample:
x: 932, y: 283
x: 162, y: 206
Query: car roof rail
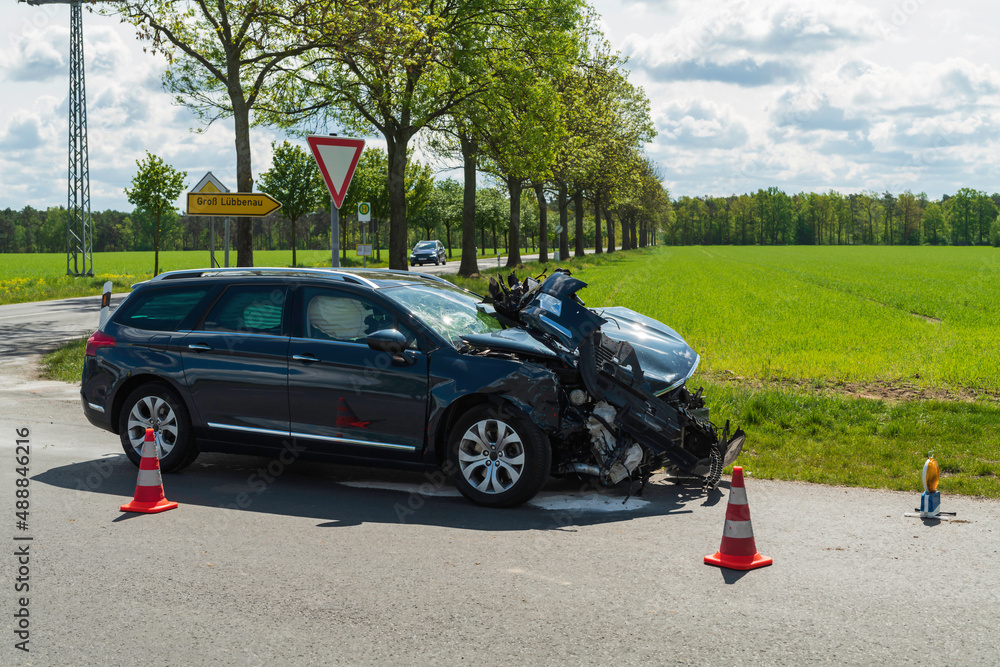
x: 264, y: 271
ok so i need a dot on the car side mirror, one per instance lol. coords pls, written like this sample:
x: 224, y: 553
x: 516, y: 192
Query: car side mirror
x: 392, y: 342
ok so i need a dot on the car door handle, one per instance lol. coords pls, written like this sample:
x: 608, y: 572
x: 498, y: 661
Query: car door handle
x: 306, y: 358
x: 200, y: 347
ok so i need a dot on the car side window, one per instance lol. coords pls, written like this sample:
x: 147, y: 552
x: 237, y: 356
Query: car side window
x: 159, y: 309
x: 248, y: 309
x: 345, y: 318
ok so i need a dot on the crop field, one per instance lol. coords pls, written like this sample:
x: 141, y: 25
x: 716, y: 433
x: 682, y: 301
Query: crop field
x: 881, y: 318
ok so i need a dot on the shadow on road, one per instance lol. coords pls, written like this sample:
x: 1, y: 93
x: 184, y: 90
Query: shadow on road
x: 338, y: 496
x: 40, y: 327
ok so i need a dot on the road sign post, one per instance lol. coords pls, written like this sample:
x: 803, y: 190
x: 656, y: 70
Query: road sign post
x: 207, y: 185
x: 337, y: 158
x: 334, y: 235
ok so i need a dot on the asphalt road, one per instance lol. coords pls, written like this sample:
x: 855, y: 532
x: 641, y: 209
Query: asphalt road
x: 266, y: 562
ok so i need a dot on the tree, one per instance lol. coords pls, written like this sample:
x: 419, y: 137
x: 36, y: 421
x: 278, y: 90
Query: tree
x: 418, y: 60
x: 295, y: 181
x: 962, y: 213
x: 934, y: 224
x: 154, y: 190
x: 222, y: 57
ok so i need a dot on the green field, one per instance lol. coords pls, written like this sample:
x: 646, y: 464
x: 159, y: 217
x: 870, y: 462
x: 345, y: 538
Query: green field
x: 846, y: 365
x: 878, y: 316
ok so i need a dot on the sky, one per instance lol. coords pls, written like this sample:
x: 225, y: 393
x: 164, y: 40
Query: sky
x: 803, y: 95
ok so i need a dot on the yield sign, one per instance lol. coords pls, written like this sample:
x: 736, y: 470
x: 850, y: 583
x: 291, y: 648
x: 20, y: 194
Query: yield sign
x: 337, y: 158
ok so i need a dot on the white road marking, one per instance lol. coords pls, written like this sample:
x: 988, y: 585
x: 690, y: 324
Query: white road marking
x: 590, y: 503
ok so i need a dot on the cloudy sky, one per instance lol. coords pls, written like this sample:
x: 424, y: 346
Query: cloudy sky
x: 798, y: 94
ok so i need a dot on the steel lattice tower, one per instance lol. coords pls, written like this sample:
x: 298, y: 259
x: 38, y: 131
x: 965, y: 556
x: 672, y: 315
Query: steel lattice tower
x: 79, y: 237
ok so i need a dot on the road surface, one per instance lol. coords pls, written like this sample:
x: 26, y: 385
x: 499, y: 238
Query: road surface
x: 287, y: 562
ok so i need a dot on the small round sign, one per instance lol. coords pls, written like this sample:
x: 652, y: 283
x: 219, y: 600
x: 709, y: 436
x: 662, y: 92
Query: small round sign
x: 364, y: 211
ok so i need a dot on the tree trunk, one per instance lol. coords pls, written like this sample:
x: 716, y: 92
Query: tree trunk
x: 611, y: 230
x: 469, y: 264
x: 563, y: 222
x: 514, y: 187
x: 543, y: 224
x: 293, y: 244
x: 447, y: 235
x: 244, y: 175
x: 156, y: 247
x: 343, y: 242
x: 597, y: 226
x: 397, y: 202
x: 579, y: 251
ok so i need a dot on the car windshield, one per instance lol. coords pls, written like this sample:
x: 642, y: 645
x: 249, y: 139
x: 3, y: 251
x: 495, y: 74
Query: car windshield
x: 449, y: 311
x: 425, y: 245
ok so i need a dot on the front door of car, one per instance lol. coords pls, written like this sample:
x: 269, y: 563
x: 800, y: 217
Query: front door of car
x: 345, y: 398
x: 236, y: 366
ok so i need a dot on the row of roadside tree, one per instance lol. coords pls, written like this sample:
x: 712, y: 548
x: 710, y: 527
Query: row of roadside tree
x: 527, y: 91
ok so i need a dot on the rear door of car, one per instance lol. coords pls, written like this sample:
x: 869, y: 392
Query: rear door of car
x: 236, y: 366
x: 345, y: 398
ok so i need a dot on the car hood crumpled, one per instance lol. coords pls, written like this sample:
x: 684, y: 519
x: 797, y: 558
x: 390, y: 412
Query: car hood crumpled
x: 666, y: 359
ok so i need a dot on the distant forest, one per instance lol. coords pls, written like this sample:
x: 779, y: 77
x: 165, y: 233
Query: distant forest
x: 767, y: 217
x: 771, y: 217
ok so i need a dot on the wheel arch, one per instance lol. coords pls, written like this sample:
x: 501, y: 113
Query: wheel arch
x: 462, y: 405
x: 126, y: 388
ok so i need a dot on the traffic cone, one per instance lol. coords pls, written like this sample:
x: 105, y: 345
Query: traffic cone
x: 149, y: 497
x: 738, y: 550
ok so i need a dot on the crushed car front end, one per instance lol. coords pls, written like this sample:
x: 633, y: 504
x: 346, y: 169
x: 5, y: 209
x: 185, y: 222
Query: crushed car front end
x: 625, y: 410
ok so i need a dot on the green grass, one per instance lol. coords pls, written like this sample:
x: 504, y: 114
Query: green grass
x: 920, y: 316
x: 833, y: 439
x: 65, y: 363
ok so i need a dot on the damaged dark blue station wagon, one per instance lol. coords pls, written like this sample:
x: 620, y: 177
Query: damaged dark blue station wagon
x: 392, y: 368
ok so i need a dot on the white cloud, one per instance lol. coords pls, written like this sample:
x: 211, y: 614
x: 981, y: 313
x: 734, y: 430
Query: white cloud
x: 700, y: 123
x: 42, y: 57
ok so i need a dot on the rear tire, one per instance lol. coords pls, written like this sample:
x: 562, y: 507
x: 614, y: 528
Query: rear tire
x: 498, y: 457
x: 158, y: 404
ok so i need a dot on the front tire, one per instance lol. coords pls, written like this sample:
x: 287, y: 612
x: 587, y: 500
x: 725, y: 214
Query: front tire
x: 156, y: 405
x: 498, y: 457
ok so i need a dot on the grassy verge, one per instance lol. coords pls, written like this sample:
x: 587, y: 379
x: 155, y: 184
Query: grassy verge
x: 65, y: 363
x: 828, y: 438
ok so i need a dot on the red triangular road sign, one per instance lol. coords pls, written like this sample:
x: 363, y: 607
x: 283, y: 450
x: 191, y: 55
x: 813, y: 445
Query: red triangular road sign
x: 337, y: 158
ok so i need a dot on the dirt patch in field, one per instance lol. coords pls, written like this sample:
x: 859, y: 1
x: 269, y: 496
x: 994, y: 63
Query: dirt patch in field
x: 884, y: 390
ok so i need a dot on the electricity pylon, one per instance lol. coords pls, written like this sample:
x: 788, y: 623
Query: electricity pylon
x: 79, y: 237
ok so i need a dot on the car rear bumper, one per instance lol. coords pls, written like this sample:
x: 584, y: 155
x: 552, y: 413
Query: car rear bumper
x: 96, y: 414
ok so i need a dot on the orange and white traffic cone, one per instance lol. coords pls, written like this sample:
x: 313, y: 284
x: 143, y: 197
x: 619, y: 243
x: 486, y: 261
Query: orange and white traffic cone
x: 738, y: 550
x: 149, y: 497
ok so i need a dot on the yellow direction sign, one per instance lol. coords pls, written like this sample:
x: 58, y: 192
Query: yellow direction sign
x: 235, y: 204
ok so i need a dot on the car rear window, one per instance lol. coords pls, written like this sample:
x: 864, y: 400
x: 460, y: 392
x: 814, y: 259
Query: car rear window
x: 160, y: 310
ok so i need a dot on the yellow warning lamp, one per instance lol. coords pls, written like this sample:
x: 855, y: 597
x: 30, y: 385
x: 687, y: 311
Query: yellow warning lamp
x: 931, y: 475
